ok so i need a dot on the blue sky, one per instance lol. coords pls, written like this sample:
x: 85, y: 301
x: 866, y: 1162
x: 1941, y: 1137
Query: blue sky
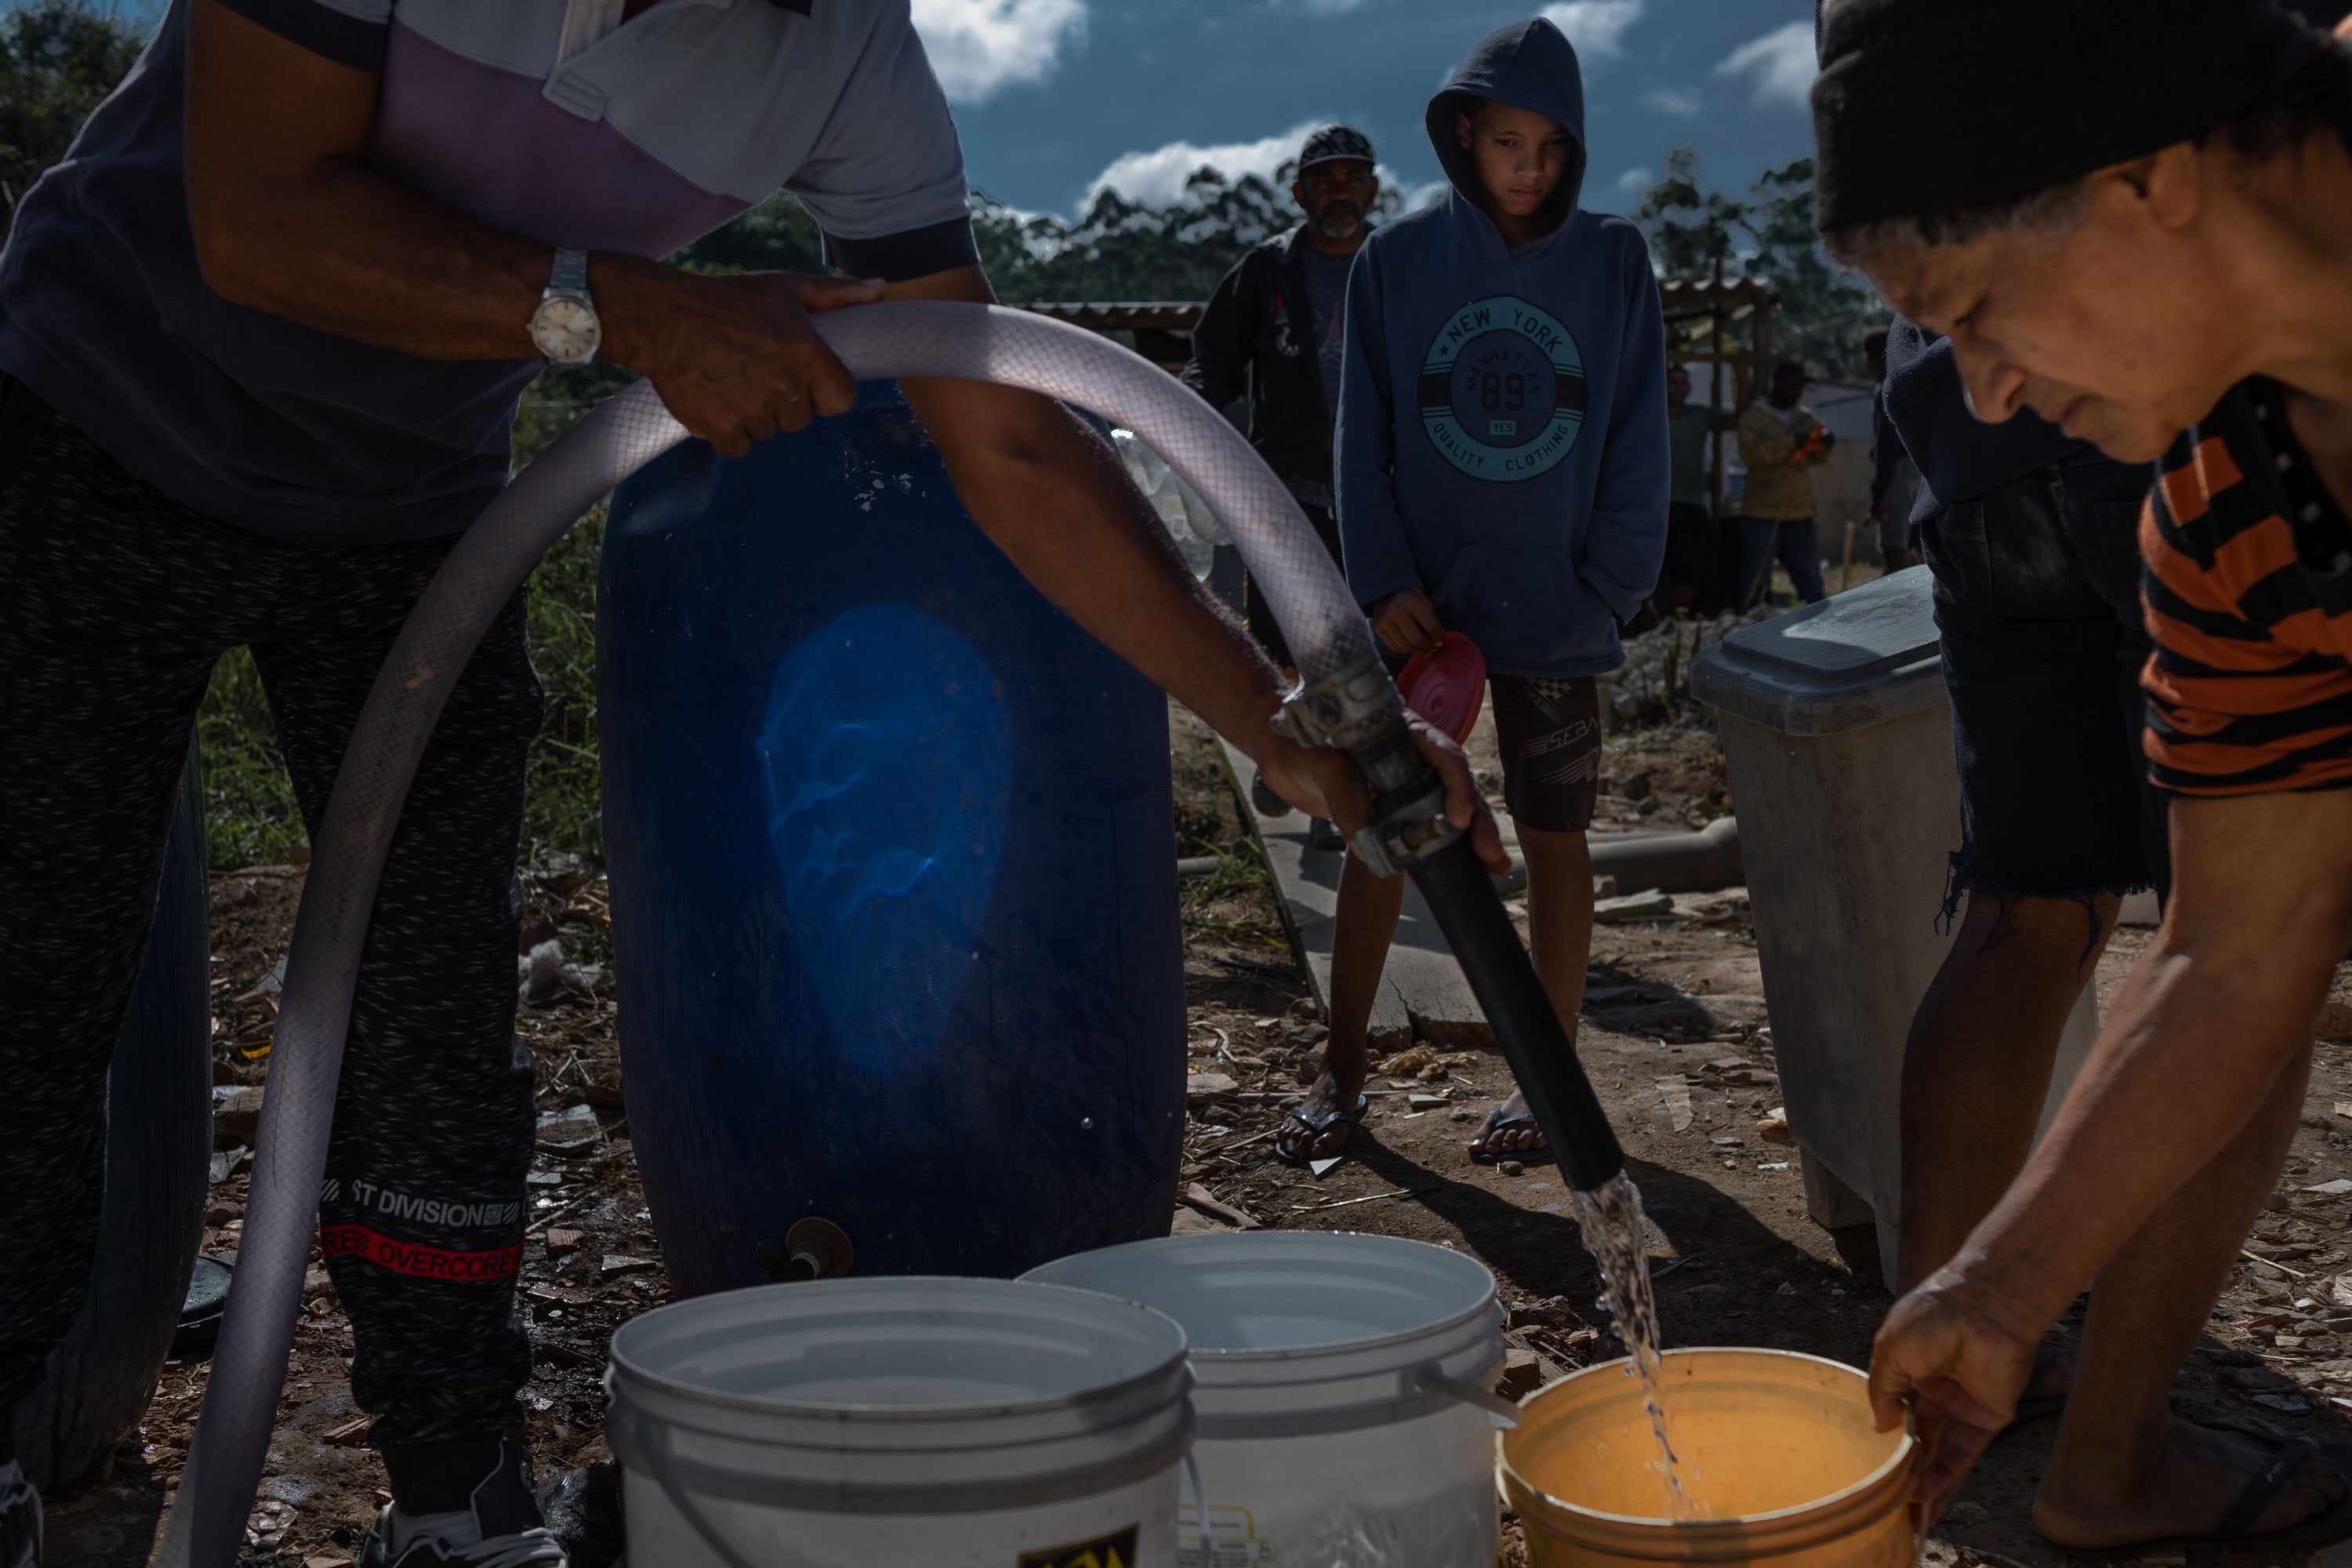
x: 1055, y: 96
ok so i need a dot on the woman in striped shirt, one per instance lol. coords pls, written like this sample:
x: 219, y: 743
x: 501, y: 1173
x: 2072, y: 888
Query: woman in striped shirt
x: 2134, y: 217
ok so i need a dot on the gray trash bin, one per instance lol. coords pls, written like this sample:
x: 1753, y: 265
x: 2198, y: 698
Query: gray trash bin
x: 1837, y: 734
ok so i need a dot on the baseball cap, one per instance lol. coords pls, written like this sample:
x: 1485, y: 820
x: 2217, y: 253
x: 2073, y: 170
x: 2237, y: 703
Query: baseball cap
x: 1334, y: 143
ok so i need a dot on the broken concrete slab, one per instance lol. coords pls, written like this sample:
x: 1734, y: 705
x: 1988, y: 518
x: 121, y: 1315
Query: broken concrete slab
x: 1644, y: 906
x: 1423, y: 992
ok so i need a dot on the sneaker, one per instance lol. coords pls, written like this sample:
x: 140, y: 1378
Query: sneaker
x: 503, y: 1528
x: 20, y: 1519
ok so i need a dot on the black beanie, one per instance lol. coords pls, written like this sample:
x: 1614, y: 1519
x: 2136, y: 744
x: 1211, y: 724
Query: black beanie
x: 1928, y: 106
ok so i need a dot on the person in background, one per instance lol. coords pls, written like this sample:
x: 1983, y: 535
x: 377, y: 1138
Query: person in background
x: 1893, y: 477
x: 2037, y: 591
x: 2161, y: 273
x: 1502, y: 467
x: 1781, y: 441
x: 1693, y: 580
x: 1275, y: 330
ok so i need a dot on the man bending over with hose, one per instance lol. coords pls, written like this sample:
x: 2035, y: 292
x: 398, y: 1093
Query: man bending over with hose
x: 262, y: 334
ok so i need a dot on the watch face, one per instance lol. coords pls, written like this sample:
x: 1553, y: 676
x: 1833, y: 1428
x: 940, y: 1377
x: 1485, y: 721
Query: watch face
x: 566, y: 331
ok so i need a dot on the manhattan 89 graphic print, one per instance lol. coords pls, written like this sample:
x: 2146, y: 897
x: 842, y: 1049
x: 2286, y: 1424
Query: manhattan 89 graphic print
x: 1502, y: 390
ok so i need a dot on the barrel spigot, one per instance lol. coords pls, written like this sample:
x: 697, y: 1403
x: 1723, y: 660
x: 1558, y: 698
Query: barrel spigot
x: 813, y: 1249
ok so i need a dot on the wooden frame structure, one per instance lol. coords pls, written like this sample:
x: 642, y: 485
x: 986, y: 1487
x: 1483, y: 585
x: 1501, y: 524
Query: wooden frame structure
x: 1162, y: 329
x: 1701, y: 314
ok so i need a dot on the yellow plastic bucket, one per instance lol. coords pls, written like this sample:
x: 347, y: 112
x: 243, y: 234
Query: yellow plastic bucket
x: 1776, y: 1448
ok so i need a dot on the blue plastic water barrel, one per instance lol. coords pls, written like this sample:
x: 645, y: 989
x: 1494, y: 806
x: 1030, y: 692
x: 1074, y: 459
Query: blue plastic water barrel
x: 893, y: 872
x: 159, y: 1136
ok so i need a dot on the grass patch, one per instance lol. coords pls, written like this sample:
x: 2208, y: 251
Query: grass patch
x: 250, y: 815
x: 562, y: 796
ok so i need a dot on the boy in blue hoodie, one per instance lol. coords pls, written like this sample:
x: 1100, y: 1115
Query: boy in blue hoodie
x: 1502, y: 471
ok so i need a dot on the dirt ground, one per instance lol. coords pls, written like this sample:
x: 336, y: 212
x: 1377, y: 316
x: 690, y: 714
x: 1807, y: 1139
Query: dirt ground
x: 1736, y: 1259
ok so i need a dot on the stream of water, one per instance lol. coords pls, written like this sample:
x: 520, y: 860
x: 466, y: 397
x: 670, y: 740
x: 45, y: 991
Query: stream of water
x: 1611, y: 1216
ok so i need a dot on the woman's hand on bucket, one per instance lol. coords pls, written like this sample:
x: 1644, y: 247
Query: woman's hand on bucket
x: 1323, y: 783
x: 1946, y: 1351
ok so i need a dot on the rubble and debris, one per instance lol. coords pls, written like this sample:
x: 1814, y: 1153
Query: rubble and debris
x: 1195, y: 1196
x: 1520, y: 1375
x: 1644, y: 906
x: 571, y: 1129
x: 1201, y: 1088
x: 237, y: 1116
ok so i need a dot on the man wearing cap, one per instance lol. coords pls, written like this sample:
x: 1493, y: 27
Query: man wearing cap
x: 1781, y: 441
x: 1275, y: 328
x: 2136, y: 228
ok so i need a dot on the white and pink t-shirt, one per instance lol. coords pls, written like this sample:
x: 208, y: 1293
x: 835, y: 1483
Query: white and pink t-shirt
x: 551, y: 119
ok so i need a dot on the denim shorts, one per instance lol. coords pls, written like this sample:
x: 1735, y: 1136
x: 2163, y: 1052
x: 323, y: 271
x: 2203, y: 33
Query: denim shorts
x: 2037, y: 599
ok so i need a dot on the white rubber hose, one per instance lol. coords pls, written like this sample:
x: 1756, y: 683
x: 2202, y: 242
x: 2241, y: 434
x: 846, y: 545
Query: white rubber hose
x: 1319, y: 618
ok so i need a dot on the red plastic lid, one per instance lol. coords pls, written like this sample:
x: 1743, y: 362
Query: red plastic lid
x: 1447, y: 687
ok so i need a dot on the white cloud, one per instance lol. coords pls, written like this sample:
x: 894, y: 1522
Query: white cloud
x: 1635, y: 179
x: 1156, y: 177
x: 1780, y: 64
x: 1673, y: 99
x: 977, y: 46
x: 1425, y: 195
x: 1597, y: 27
x: 1329, y: 7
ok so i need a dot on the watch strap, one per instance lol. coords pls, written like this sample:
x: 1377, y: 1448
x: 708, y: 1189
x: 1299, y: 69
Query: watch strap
x: 571, y: 272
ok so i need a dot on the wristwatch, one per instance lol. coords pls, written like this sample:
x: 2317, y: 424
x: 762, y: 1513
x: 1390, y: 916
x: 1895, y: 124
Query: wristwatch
x: 564, y: 327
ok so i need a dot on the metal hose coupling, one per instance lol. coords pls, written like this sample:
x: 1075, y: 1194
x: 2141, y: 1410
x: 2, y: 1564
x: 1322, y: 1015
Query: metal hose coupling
x: 1358, y: 710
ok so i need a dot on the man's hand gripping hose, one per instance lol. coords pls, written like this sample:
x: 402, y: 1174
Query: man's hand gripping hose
x: 1345, y: 699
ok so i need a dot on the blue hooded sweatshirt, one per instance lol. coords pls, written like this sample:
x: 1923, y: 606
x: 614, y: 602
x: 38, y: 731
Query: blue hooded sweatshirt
x: 1502, y: 432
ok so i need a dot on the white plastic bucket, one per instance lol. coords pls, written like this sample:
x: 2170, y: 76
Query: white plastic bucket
x: 951, y: 1423
x: 1343, y: 1390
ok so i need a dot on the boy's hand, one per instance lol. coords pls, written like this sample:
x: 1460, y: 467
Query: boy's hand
x: 1408, y: 621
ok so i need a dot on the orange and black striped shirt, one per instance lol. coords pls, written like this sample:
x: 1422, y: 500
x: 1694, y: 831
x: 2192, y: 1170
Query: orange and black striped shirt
x: 2249, y: 597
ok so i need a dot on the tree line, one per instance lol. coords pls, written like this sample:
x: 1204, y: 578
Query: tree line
x: 60, y: 57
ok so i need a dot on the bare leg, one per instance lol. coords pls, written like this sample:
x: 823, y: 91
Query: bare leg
x: 1977, y: 1067
x: 1559, y: 930
x: 1365, y: 924
x: 2124, y: 1468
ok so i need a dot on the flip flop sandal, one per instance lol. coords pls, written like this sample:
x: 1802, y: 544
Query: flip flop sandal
x: 1497, y: 1122
x: 1319, y: 1126
x: 2045, y: 1405
x: 2333, y: 1523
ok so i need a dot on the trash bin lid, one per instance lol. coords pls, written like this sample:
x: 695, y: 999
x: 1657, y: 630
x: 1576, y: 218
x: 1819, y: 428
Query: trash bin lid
x: 1863, y: 658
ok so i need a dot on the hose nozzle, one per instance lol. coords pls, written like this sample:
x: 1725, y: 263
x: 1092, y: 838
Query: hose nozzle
x: 1356, y: 711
